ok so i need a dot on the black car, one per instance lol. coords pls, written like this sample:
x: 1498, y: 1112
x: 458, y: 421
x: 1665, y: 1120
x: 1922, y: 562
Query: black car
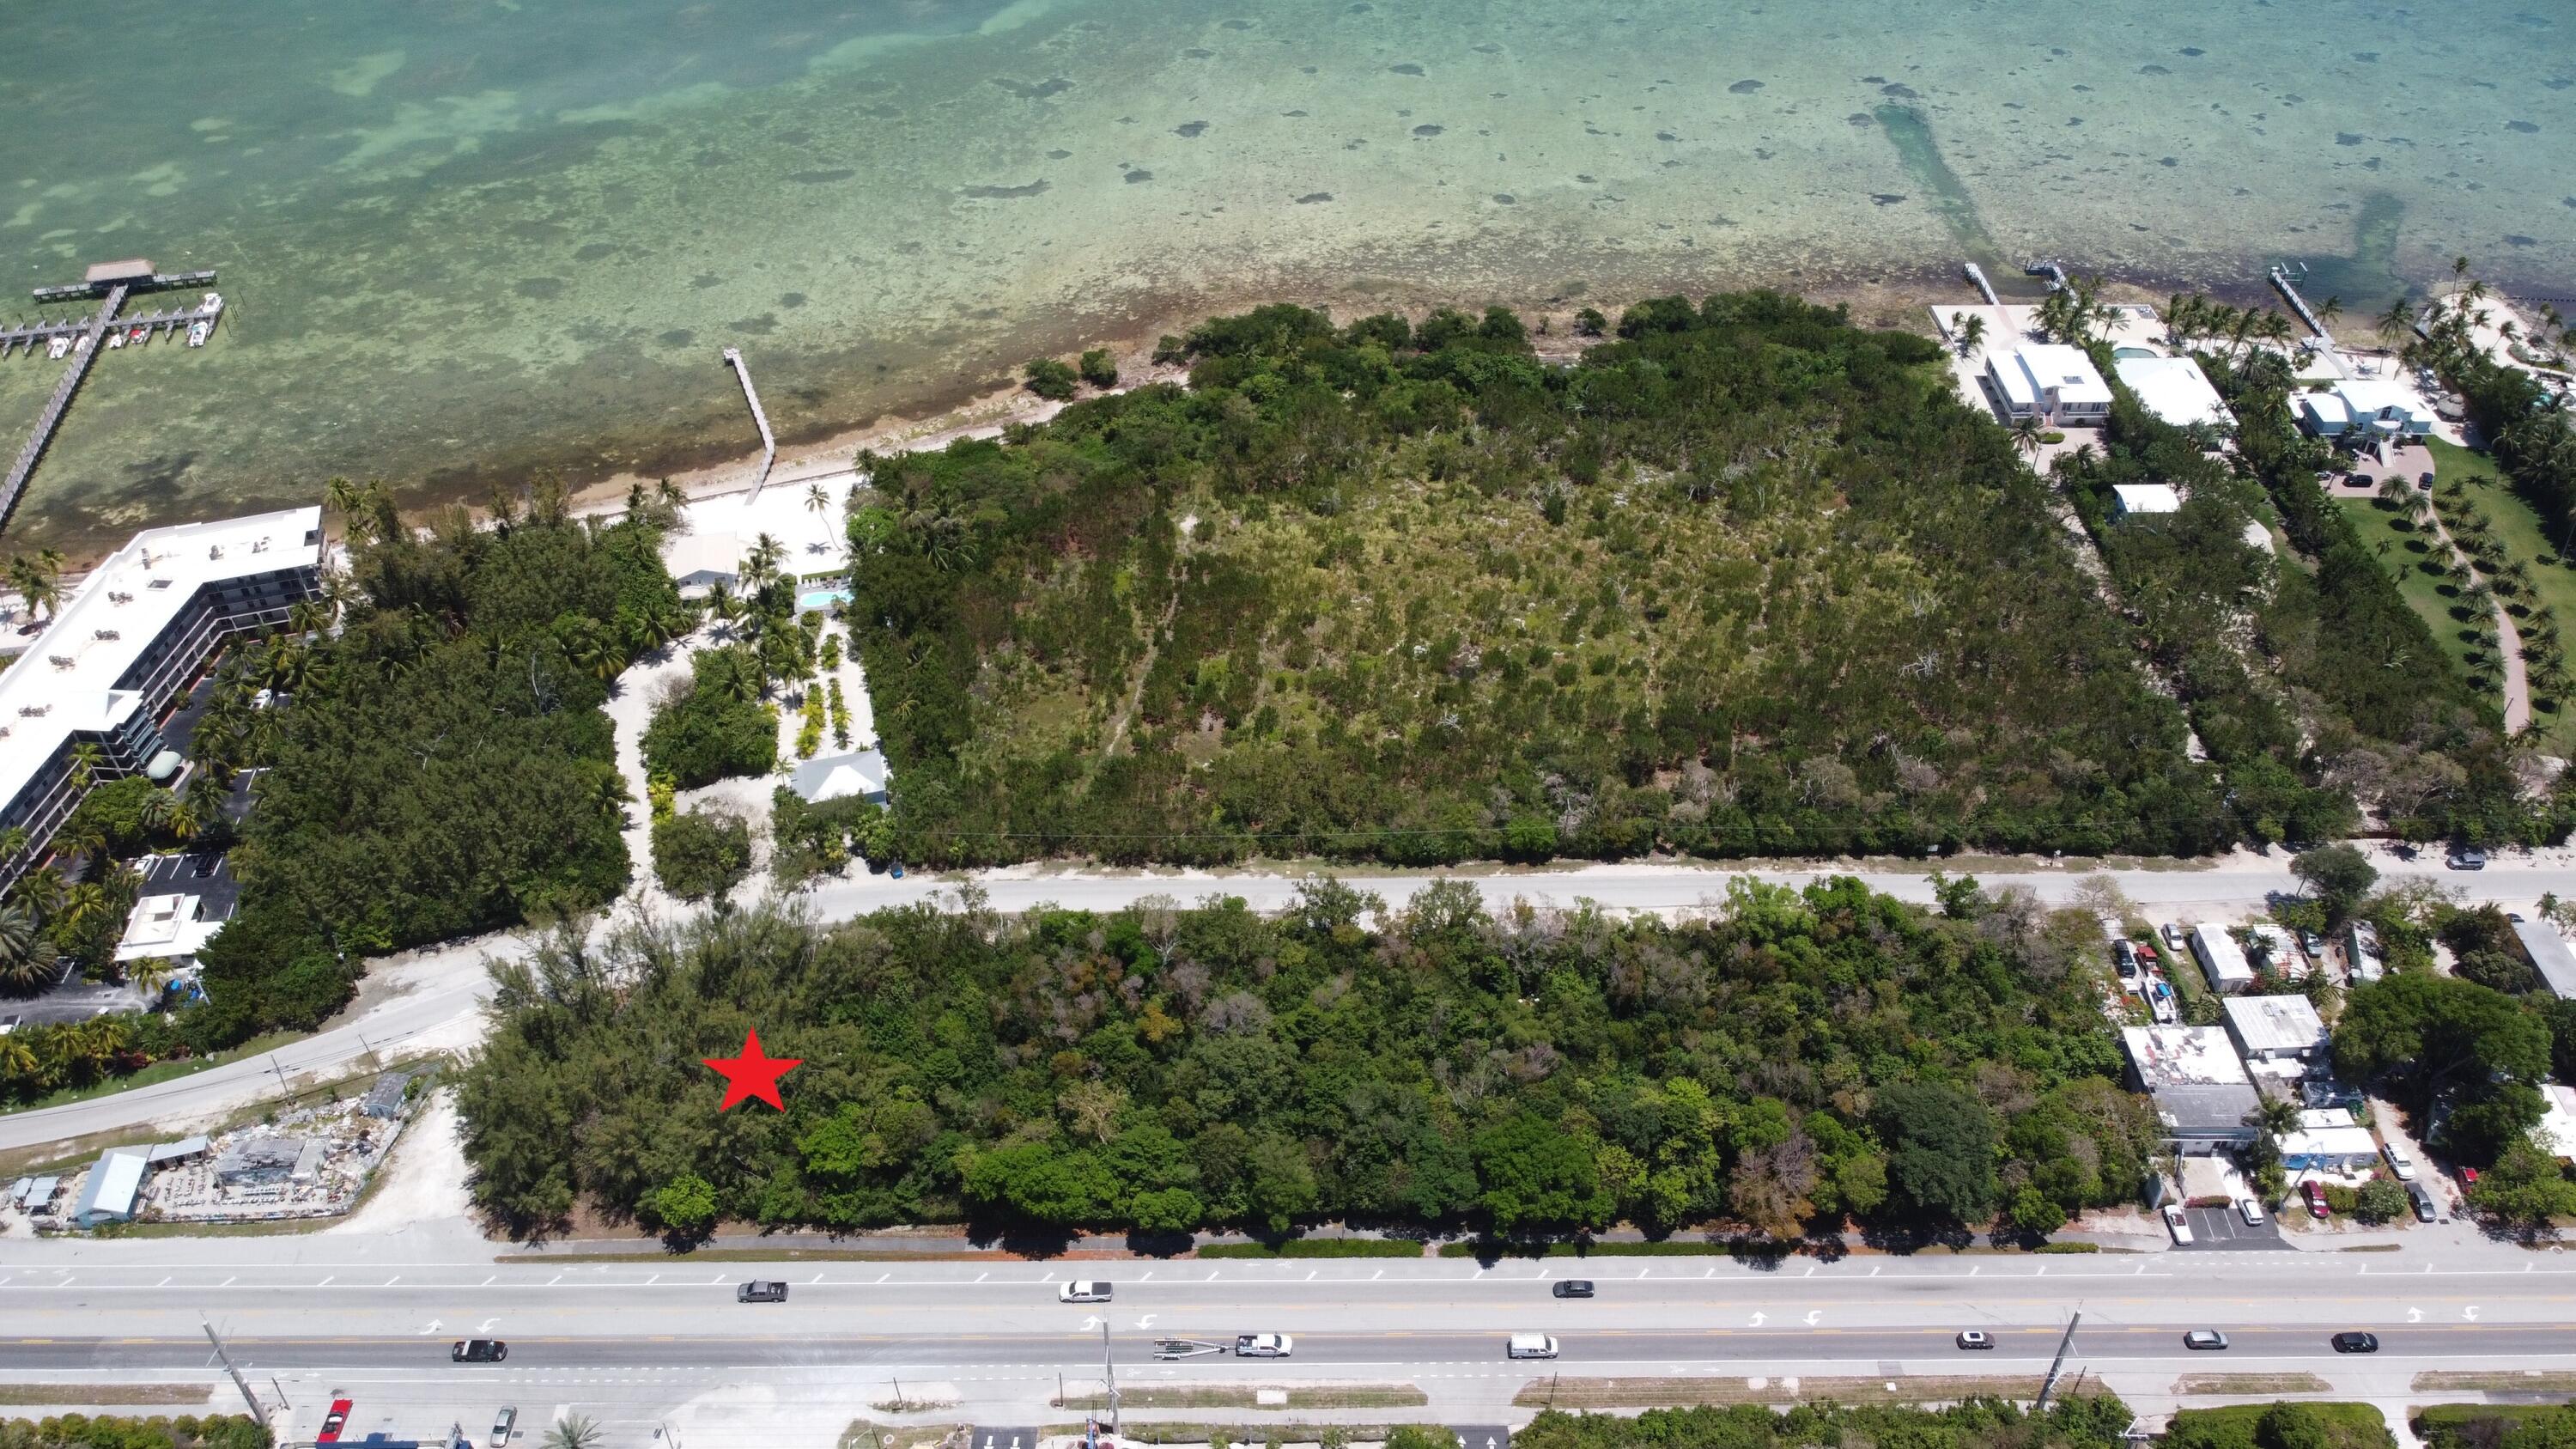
x: 2424, y: 481
x: 760, y: 1290
x: 479, y: 1350
x: 2356, y: 1343
x: 1572, y: 1288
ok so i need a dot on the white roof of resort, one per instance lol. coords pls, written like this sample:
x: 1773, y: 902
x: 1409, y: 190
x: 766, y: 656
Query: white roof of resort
x: 66, y: 681
x: 2067, y: 371
x: 2147, y: 497
x: 2174, y: 389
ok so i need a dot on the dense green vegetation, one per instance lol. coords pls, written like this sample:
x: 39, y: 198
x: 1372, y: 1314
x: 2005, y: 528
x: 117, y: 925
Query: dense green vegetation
x: 714, y: 725
x: 2497, y: 1426
x: 1802, y: 1057
x: 105, y: 1431
x: 2081, y: 1423
x: 701, y: 853
x: 2281, y: 1426
x: 1747, y: 579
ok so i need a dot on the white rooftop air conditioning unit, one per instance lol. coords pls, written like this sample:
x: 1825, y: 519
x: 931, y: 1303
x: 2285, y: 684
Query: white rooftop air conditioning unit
x: 109, y: 634
x: 215, y: 551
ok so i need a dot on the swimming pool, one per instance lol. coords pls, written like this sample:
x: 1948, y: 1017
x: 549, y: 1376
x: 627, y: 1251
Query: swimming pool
x: 2125, y: 354
x: 821, y: 599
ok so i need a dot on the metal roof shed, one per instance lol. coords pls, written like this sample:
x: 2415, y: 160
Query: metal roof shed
x: 2549, y: 952
x: 114, y: 1182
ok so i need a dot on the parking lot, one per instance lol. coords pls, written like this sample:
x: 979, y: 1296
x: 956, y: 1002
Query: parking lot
x: 2222, y: 1228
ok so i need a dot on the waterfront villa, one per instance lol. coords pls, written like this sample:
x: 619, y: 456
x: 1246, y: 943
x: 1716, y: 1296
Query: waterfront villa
x: 134, y: 635
x: 2372, y: 405
x: 2049, y: 381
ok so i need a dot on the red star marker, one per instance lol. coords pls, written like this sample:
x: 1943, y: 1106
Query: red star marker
x: 753, y: 1074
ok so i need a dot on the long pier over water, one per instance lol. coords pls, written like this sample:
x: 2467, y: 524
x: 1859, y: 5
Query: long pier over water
x: 111, y: 283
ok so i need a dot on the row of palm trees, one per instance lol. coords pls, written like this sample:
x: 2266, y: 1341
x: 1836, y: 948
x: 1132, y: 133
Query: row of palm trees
x: 68, y: 1055
x: 2189, y: 317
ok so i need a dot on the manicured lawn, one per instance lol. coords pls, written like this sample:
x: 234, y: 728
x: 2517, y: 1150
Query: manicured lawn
x: 2428, y: 594
x: 2520, y: 529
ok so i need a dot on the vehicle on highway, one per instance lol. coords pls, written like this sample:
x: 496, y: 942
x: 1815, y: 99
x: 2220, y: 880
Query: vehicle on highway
x: 1530, y: 1345
x: 1263, y: 1345
x: 2178, y: 1225
x: 333, y: 1422
x: 2251, y: 1211
x: 1572, y: 1288
x: 2398, y: 1162
x: 502, y: 1423
x: 2209, y: 1338
x: 2468, y: 857
x: 1083, y: 1290
x: 1976, y: 1338
x: 2356, y: 1342
x: 479, y: 1350
x: 761, y: 1290
x: 2315, y: 1193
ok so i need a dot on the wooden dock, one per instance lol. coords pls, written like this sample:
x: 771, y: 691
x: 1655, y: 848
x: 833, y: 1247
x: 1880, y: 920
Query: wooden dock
x: 111, y: 283
x: 768, y: 440
x: 24, y: 466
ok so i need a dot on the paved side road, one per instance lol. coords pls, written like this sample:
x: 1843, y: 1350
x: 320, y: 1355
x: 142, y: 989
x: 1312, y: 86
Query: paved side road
x: 438, y: 994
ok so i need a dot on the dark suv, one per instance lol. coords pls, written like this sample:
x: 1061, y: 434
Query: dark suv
x: 1572, y: 1288
x: 2356, y: 1343
x: 761, y: 1291
x: 479, y: 1350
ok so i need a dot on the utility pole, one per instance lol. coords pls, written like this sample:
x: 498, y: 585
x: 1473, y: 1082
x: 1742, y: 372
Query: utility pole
x: 2057, y: 1365
x: 1109, y: 1371
x: 226, y: 1359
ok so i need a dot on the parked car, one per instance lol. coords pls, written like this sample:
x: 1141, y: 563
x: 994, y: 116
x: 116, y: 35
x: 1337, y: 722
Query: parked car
x: 1530, y: 1345
x: 2251, y: 1211
x: 2313, y: 944
x: 2425, y: 1212
x: 2468, y: 1177
x: 2398, y: 1162
x: 2125, y: 956
x: 2468, y: 857
x: 2209, y: 1338
x: 2177, y: 1224
x: 1976, y: 1338
x: 2424, y: 481
x: 478, y: 1350
x: 2315, y: 1193
x: 761, y: 1290
x: 502, y: 1423
x: 1571, y: 1288
x: 2350, y: 1342
x: 1263, y: 1345
x: 1083, y: 1290
x: 333, y: 1422
x: 2173, y: 938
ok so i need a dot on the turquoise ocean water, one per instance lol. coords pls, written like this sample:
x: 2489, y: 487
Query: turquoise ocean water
x: 464, y: 237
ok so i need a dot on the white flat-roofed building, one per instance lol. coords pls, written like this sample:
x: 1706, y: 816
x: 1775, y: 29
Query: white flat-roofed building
x: 166, y: 928
x: 2221, y: 959
x: 2176, y: 390
x: 135, y: 632
x: 2201, y: 1092
x: 2133, y: 500
x: 2276, y: 1028
x: 2012, y: 385
x: 2328, y: 1140
x: 2063, y: 379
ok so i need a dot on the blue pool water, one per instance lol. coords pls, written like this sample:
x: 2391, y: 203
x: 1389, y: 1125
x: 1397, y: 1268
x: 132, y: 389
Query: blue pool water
x: 822, y: 598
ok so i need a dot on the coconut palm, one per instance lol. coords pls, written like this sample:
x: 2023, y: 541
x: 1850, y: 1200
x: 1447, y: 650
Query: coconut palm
x: 2329, y: 310
x: 818, y: 499
x: 2397, y: 324
x: 27, y: 959
x: 2026, y: 431
x: 575, y: 1431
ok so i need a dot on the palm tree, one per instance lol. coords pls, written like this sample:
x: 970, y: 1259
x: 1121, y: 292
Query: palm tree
x: 2459, y: 266
x: 2397, y: 323
x: 2026, y: 431
x: 13, y: 842
x: 39, y: 580
x: 86, y: 758
x: 2394, y: 491
x: 574, y: 1431
x: 818, y: 499
x: 39, y: 892
x: 27, y: 959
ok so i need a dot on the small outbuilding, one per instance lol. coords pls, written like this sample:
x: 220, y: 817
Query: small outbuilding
x: 2328, y: 1140
x: 2550, y: 956
x: 186, y: 1149
x: 2132, y: 500
x: 2222, y: 961
x: 259, y: 1159
x: 835, y: 777
x: 385, y: 1098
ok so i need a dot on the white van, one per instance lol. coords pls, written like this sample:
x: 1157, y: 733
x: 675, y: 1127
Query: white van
x: 1531, y: 1345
